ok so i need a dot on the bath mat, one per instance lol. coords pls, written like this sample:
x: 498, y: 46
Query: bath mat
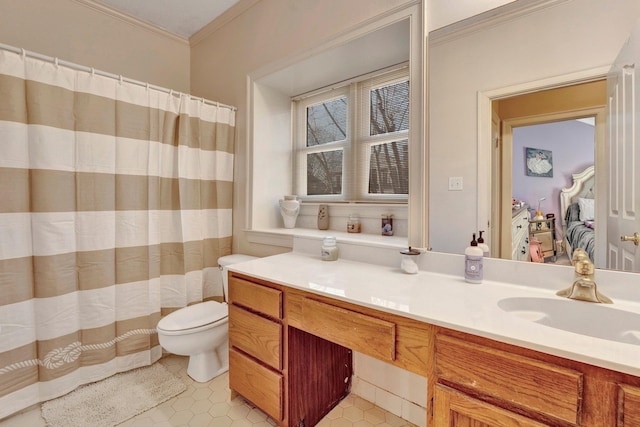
x: 113, y: 400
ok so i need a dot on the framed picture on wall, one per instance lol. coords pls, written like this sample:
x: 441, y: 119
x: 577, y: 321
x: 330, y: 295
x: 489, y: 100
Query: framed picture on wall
x: 539, y: 162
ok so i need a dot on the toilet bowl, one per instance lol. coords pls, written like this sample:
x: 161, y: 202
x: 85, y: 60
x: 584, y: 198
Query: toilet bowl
x: 201, y: 331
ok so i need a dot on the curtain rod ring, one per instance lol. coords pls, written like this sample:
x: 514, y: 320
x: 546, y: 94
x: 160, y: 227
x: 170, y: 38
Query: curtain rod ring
x: 24, y: 53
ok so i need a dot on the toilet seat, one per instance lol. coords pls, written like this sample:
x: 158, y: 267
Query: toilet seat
x: 194, y: 318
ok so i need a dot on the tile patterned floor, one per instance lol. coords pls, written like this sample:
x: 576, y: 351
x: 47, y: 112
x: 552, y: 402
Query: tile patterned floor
x: 208, y: 405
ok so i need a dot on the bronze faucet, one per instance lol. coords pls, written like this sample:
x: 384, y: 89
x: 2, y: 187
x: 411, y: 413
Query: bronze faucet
x: 584, y: 286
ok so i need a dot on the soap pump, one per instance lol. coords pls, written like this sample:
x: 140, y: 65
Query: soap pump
x: 473, y: 262
x: 482, y: 245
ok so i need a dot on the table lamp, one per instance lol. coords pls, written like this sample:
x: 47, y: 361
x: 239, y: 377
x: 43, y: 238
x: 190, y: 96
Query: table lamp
x: 539, y: 215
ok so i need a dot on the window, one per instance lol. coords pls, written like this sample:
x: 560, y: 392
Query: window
x: 352, y: 142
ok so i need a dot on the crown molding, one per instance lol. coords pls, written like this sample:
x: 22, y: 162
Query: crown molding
x: 488, y: 19
x: 229, y: 15
x: 132, y: 20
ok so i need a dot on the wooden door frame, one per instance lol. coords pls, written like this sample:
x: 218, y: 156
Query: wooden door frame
x: 485, y: 200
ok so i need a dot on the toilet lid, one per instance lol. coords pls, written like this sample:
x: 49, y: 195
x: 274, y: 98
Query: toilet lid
x: 194, y: 316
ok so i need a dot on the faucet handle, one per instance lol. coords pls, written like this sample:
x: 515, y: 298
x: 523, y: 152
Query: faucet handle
x: 584, y: 267
x: 579, y: 254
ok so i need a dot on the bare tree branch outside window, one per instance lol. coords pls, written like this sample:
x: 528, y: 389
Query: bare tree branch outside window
x: 326, y: 123
x: 389, y: 163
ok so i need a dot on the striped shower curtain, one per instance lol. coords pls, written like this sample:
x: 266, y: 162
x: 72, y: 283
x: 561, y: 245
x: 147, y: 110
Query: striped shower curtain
x: 115, y: 204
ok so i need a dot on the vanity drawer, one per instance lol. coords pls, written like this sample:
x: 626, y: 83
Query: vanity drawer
x: 255, y: 296
x: 256, y: 383
x: 360, y: 332
x: 256, y: 336
x: 628, y: 406
x: 528, y: 383
x: 453, y: 408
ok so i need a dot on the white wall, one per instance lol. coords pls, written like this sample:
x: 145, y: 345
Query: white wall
x: 224, y: 64
x: 81, y: 32
x: 568, y: 37
x: 264, y: 34
x: 571, y: 36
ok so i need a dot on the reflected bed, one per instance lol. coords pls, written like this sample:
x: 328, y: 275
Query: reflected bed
x: 578, y: 216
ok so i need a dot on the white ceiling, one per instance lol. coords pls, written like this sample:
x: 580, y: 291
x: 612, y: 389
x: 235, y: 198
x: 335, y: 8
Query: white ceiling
x: 186, y: 17
x: 441, y: 13
x: 181, y: 17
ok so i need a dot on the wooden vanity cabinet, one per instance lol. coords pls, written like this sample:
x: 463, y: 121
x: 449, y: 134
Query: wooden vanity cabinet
x: 256, y: 344
x: 397, y: 340
x: 291, y: 355
x: 488, y: 383
x: 628, y: 406
x: 519, y: 383
x: 456, y: 409
x: 294, y: 377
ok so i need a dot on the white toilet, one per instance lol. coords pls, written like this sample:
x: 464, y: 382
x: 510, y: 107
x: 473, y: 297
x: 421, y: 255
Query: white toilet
x: 201, y: 331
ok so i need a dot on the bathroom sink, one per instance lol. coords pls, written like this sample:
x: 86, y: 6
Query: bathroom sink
x: 584, y: 318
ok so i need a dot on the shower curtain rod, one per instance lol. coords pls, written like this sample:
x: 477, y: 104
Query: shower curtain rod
x: 106, y: 74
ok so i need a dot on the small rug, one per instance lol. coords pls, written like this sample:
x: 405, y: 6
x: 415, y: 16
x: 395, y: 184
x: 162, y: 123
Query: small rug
x: 113, y: 400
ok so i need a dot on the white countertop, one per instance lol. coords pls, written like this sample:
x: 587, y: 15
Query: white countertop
x: 447, y: 300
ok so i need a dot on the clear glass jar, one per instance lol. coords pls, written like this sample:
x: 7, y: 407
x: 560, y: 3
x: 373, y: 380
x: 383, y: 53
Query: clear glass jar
x: 408, y: 262
x: 353, y: 224
x: 329, y: 250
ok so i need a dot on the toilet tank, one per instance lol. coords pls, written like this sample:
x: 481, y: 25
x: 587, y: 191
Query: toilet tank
x: 224, y: 262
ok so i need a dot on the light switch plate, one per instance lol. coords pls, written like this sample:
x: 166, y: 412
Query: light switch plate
x: 455, y: 183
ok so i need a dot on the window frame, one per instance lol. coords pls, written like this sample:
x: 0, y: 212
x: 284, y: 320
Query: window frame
x: 358, y: 142
x: 300, y: 149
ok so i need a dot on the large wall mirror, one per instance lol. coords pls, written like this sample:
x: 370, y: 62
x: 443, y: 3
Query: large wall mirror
x: 518, y: 109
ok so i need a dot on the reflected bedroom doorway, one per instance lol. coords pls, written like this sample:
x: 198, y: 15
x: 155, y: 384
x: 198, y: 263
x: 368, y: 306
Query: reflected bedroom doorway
x: 524, y: 127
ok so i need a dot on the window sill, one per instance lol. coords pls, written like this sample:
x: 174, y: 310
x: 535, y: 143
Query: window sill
x: 283, y: 237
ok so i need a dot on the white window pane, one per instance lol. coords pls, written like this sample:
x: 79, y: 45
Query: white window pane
x: 389, y: 108
x: 327, y: 122
x: 324, y: 173
x: 389, y: 168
